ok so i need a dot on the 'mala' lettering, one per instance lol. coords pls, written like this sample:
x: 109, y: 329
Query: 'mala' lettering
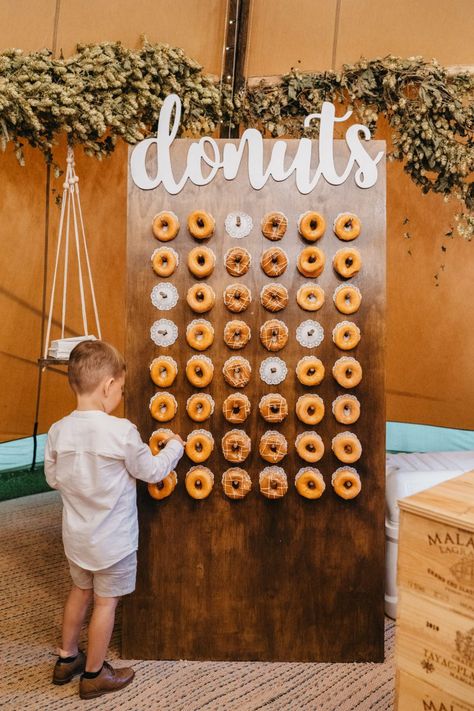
x: 431, y: 706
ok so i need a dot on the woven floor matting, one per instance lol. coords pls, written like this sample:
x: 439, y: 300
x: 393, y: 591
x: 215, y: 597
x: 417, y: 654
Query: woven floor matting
x: 33, y: 584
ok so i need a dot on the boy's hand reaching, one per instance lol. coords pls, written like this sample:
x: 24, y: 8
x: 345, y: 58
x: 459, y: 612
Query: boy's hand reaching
x: 178, y: 438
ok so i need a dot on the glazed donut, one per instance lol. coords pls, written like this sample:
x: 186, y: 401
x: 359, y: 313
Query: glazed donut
x: 311, y: 225
x: 236, y: 483
x: 310, y: 409
x: 273, y: 407
x: 199, y: 371
x: 236, y: 408
x: 346, y: 447
x: 200, y: 407
x: 165, y: 487
x: 199, y: 482
x: 311, y: 261
x: 273, y: 446
x: 346, y: 482
x: 347, y: 298
x: 165, y: 226
x: 164, y: 261
x: 163, y: 407
x: 346, y: 335
x: 274, y: 225
x: 274, y: 297
x: 310, y: 370
x: 310, y: 297
x: 201, y: 298
x: 309, y: 446
x: 347, y: 226
x: 158, y: 439
x: 236, y: 445
x: 346, y: 409
x: 273, y: 482
x: 201, y: 224
x: 347, y: 262
x: 199, y: 445
x: 237, y: 261
x: 237, y: 371
x: 201, y: 262
x: 347, y: 372
x: 237, y: 297
x: 274, y: 261
x: 236, y: 334
x: 274, y: 335
x: 310, y: 483
x: 163, y: 371
x: 199, y: 334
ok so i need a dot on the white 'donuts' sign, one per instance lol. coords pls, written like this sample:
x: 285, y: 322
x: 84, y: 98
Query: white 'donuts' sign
x: 205, y: 157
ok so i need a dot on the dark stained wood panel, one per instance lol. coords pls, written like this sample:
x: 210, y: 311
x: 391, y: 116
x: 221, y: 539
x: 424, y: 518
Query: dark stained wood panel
x: 285, y: 580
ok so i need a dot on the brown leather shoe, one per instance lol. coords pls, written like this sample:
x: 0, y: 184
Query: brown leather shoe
x: 65, y: 671
x: 108, y: 680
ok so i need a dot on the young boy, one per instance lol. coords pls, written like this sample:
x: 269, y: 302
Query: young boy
x: 94, y: 459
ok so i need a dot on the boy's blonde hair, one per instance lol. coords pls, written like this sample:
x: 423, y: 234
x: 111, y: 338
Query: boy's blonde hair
x: 92, y: 361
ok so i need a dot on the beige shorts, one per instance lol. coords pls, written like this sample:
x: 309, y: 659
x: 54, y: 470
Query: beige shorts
x: 118, y: 579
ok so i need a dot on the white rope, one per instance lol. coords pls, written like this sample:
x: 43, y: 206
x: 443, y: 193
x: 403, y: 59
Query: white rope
x: 58, y: 250
x: 74, y: 181
x: 66, y: 255
x: 86, y: 252
x: 71, y: 199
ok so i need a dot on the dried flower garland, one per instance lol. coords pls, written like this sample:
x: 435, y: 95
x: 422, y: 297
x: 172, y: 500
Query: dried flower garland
x: 102, y: 92
x: 106, y: 91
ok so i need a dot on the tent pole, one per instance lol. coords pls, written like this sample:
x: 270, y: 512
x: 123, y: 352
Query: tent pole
x: 235, y: 52
x: 45, y: 257
x: 43, y: 312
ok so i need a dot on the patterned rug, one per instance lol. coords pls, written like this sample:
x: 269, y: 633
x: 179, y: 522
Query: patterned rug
x: 33, y: 584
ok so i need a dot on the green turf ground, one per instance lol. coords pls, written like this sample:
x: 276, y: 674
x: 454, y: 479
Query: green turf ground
x: 22, y: 482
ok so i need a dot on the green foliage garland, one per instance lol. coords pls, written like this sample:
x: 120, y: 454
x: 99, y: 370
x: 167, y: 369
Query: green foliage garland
x: 106, y: 91
x: 431, y: 114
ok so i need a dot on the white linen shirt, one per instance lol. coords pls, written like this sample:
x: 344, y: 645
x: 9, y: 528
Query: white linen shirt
x: 94, y: 459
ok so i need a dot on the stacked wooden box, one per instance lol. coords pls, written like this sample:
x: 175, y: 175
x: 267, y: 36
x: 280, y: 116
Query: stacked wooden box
x: 435, y: 625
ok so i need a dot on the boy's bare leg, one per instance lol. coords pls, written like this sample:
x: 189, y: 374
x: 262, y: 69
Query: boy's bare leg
x: 100, y: 631
x: 75, y: 611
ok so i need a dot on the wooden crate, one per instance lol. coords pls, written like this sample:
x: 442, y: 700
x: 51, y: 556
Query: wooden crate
x: 414, y: 694
x: 436, y: 551
x: 435, y: 626
x: 435, y: 644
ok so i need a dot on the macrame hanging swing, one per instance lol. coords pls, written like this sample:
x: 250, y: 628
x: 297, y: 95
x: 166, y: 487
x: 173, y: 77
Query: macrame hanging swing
x: 60, y: 349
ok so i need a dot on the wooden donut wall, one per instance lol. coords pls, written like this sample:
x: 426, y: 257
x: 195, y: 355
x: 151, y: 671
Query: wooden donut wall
x: 257, y: 579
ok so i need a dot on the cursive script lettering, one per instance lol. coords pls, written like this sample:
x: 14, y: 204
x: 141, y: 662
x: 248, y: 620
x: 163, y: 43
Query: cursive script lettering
x: 205, y: 159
